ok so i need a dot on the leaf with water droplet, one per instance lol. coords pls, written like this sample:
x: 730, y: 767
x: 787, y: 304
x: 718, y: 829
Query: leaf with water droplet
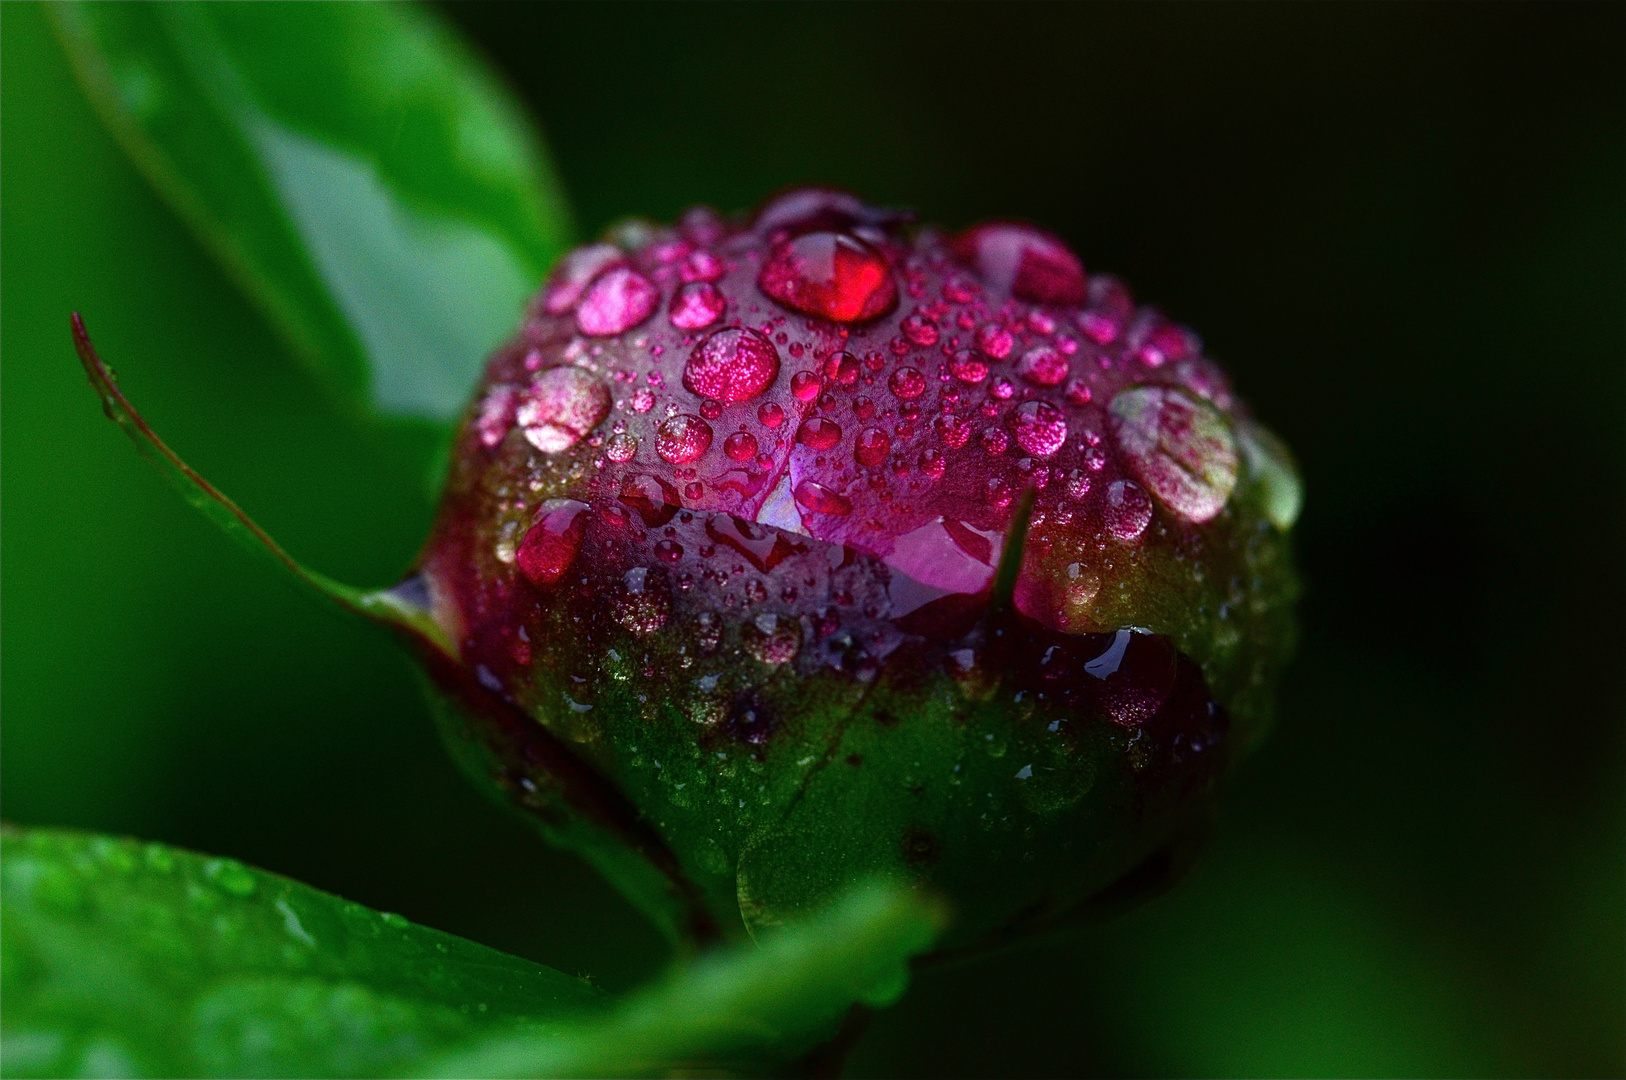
x: 353, y: 166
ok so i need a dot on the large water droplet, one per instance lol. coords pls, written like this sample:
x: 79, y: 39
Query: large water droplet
x: 551, y: 543
x: 561, y: 406
x: 831, y: 276
x: 1028, y: 262
x: 619, y: 300
x: 682, y: 438
x: 732, y: 365
x: 643, y: 601
x: 740, y: 446
x: 1178, y: 446
x: 1270, y: 464
x: 820, y: 499
x: 1128, y: 510
x: 806, y: 209
x: 1040, y: 428
x: 575, y: 271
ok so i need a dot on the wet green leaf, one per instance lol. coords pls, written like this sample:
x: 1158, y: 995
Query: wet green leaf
x: 355, y: 166
x: 129, y: 959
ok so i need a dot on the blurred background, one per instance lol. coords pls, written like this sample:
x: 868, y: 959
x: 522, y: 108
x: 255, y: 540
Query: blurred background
x: 1402, y: 227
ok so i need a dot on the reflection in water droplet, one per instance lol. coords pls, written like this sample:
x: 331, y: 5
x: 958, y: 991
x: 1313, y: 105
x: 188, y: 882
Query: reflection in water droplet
x: 561, y: 406
x: 818, y: 433
x: 1043, y: 366
x: 907, y: 383
x: 770, y: 414
x: 575, y: 271
x: 732, y: 365
x: 740, y: 446
x: 622, y: 447
x: 871, y: 447
x: 829, y: 275
x: 1178, y: 446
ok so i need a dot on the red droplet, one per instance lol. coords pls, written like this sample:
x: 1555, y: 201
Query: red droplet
x: 829, y: 275
x: 933, y: 463
x: 920, y: 330
x: 1128, y: 509
x: 669, y: 551
x: 551, y: 543
x: 696, y: 305
x: 1042, y: 366
x: 805, y: 385
x: 952, y: 430
x: 821, y: 499
x: 871, y: 447
x: 907, y: 383
x: 770, y: 414
x: 682, y: 438
x: 702, y: 266
x: 1078, y: 392
x: 841, y: 368
x: 560, y: 406
x: 967, y: 368
x: 575, y: 271
x: 618, y: 300
x: 818, y: 433
x: 995, y: 340
x: 732, y: 365
x: 1028, y: 262
x: 740, y: 446
x: 1040, y: 428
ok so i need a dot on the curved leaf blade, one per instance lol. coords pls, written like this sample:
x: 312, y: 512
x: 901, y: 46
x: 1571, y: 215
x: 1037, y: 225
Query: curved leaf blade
x: 357, y: 169
x: 740, y: 1009
x: 399, y: 608
x: 129, y: 959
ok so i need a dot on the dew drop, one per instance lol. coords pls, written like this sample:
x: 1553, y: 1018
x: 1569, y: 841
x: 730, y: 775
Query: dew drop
x: 617, y: 301
x: 818, y: 498
x: 643, y: 601
x: 772, y: 638
x: 1178, y: 446
x: 561, y: 406
x: 995, y: 341
x: 696, y: 305
x: 230, y: 876
x: 829, y: 275
x: 576, y: 270
x: 841, y: 368
x: 1043, y: 366
x: 967, y: 368
x: 552, y: 542
x: 920, y: 330
x: 1028, y: 262
x: 932, y: 463
x: 740, y: 446
x: 805, y: 385
x: 643, y: 399
x: 1128, y: 510
x: 621, y: 447
x: 496, y: 414
x: 702, y: 266
x: 1040, y: 428
x: 682, y: 439
x: 732, y: 365
x: 871, y: 447
x: 654, y: 500
x: 907, y: 383
x: 1270, y: 464
x: 818, y: 433
x: 770, y: 414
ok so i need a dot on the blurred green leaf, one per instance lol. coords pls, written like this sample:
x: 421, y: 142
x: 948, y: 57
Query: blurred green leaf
x: 130, y: 959
x: 354, y: 165
x: 740, y: 1009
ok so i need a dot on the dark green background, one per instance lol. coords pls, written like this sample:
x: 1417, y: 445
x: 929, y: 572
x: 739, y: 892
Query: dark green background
x: 1403, y: 228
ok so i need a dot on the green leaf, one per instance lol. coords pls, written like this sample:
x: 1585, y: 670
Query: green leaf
x: 126, y: 959
x: 739, y: 1010
x: 354, y: 165
x: 399, y: 608
x: 129, y: 959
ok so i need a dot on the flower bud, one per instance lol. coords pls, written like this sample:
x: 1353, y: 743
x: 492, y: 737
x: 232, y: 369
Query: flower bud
x: 813, y: 548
